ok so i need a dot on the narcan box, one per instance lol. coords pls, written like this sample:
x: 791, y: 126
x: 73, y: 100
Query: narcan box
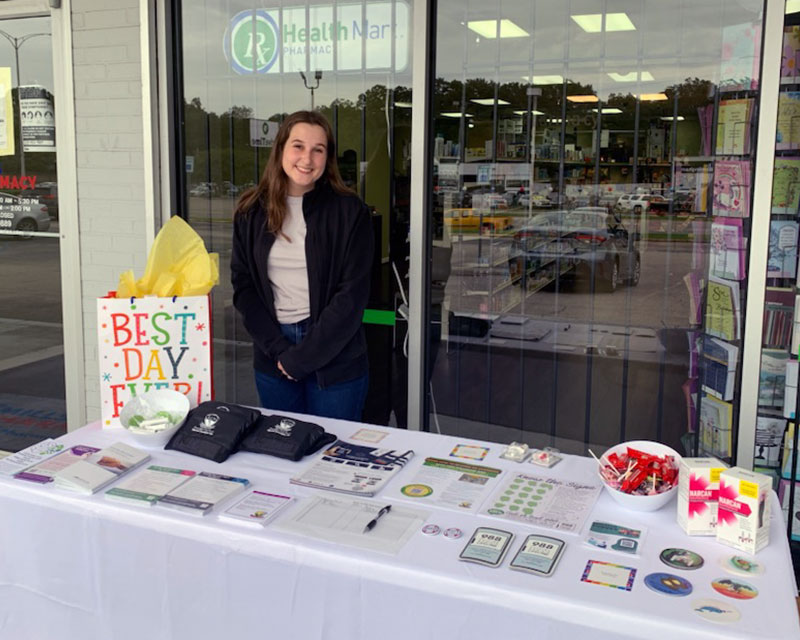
x: 743, y: 515
x: 698, y: 486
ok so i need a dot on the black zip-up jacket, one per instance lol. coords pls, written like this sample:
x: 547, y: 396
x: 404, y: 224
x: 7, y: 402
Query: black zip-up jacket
x: 339, y: 246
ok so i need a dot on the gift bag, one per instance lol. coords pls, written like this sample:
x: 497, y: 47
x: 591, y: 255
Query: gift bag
x: 153, y: 343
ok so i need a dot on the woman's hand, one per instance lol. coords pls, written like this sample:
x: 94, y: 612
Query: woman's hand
x: 283, y: 371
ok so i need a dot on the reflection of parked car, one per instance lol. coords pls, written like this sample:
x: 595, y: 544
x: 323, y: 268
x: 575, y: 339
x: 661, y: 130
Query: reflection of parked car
x: 22, y: 214
x: 47, y: 192
x: 534, y: 201
x: 471, y: 220
x: 640, y: 203
x: 604, y: 247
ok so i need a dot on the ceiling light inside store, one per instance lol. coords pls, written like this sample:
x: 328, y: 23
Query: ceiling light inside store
x: 544, y: 79
x: 593, y: 22
x: 670, y: 118
x: 633, y: 76
x: 608, y: 110
x: 403, y: 105
x: 455, y: 114
x: 792, y: 6
x: 489, y: 101
x: 489, y: 28
x: 586, y: 98
x: 653, y: 97
x: 534, y: 112
x: 555, y: 120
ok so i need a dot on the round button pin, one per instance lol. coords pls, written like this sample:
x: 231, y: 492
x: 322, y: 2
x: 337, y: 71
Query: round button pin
x: 431, y: 529
x: 453, y: 533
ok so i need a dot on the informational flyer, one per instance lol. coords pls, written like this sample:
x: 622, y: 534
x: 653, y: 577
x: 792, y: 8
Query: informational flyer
x: 451, y: 483
x: 544, y: 502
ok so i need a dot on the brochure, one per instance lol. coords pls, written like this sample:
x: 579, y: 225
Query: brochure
x: 100, y: 469
x: 202, y: 492
x: 353, y: 468
x: 147, y: 487
x: 44, y: 471
x: 30, y: 456
x: 256, y: 508
x: 450, y: 483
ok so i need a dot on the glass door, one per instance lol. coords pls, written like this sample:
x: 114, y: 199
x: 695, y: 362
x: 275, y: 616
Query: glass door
x: 242, y: 71
x: 32, y: 404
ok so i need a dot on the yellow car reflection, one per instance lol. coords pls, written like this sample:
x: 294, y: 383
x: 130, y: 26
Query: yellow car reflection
x: 471, y: 221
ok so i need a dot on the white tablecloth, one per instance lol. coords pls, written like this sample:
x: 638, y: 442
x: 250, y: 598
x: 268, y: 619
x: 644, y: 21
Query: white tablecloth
x: 85, y: 568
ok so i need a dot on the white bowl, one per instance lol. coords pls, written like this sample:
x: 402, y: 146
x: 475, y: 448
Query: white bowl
x: 148, y: 405
x: 637, y: 502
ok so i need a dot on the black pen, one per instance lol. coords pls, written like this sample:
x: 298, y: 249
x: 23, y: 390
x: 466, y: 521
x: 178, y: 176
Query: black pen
x: 377, y: 517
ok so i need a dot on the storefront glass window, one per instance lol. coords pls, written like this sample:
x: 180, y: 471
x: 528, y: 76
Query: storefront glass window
x: 32, y: 405
x: 586, y: 157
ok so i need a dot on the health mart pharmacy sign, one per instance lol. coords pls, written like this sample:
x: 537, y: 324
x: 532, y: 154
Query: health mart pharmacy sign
x: 372, y: 36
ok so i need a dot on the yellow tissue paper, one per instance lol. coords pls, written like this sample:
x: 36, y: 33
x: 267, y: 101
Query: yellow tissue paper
x: 178, y: 265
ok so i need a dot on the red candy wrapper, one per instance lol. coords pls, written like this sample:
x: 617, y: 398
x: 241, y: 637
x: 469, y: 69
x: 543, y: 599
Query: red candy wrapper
x: 639, y: 473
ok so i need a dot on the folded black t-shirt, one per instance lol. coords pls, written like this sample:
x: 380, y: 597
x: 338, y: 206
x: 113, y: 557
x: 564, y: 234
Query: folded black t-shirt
x: 213, y: 430
x: 286, y: 437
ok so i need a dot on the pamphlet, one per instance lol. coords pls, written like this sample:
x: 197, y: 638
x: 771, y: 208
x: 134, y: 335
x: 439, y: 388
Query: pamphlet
x: 44, y: 471
x: 100, y: 469
x: 202, y: 492
x: 450, y: 483
x: 544, y: 502
x: 30, y: 456
x: 147, y: 487
x: 353, y: 468
x: 611, y: 536
x: 256, y: 508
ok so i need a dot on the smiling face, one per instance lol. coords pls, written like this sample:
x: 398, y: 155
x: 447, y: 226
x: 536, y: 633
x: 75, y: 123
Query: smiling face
x: 304, y: 157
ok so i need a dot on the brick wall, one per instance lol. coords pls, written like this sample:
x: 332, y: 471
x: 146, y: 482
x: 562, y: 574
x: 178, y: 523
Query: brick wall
x: 110, y: 171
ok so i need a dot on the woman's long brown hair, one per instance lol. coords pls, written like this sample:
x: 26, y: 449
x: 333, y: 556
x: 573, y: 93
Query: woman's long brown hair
x: 272, y: 188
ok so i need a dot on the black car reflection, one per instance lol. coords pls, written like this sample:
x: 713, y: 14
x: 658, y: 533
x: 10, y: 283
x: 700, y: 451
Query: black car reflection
x: 588, y: 241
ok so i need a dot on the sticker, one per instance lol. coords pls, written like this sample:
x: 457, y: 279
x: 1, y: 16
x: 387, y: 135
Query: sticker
x: 668, y: 584
x: 453, y: 533
x: 607, y: 574
x: 716, y: 611
x: 681, y: 559
x: 416, y: 490
x: 431, y: 529
x: 737, y: 589
x: 741, y: 566
x: 368, y: 435
x: 469, y: 451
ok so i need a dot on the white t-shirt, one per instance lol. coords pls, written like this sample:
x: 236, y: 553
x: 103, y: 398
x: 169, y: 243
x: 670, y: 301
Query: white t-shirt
x: 286, y: 266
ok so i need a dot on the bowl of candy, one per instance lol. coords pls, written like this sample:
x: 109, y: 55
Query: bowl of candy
x: 152, y: 417
x: 641, y: 475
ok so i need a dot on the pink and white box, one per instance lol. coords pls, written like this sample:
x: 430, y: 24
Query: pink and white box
x: 743, y: 517
x: 698, y: 486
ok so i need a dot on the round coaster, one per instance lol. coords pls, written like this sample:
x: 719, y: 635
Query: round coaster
x: 431, y: 529
x: 716, y: 611
x: 738, y: 589
x: 453, y: 533
x: 681, y: 559
x: 741, y: 566
x: 668, y: 584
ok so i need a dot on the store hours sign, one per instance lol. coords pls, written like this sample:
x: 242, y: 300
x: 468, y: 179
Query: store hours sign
x: 371, y: 36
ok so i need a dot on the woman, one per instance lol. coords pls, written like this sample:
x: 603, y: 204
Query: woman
x: 300, y: 268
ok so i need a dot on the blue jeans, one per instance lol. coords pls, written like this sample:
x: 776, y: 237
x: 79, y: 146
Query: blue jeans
x: 344, y: 400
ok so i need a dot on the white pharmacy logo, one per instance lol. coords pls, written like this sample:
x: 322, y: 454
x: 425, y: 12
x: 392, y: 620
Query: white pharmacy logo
x: 206, y: 427
x: 283, y: 428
